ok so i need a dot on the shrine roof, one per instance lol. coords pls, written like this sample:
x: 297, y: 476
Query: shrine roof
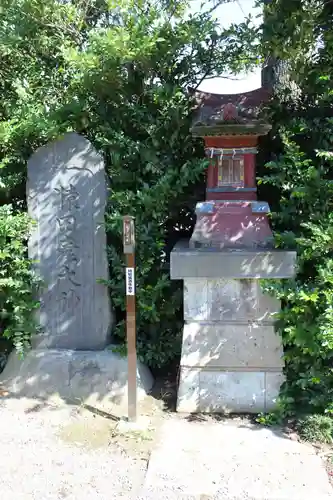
x: 217, y: 109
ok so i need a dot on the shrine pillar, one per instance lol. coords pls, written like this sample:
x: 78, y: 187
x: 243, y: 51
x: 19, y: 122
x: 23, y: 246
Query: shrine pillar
x: 232, y: 358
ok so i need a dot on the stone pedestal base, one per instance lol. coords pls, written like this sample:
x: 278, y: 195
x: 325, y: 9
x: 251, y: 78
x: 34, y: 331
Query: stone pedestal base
x: 229, y: 367
x: 216, y: 391
x: 96, y: 378
x: 232, y: 359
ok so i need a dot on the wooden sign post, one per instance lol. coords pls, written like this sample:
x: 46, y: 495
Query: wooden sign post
x: 129, y: 251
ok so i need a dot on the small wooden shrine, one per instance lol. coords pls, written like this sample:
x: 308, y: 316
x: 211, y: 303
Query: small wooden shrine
x: 231, y: 216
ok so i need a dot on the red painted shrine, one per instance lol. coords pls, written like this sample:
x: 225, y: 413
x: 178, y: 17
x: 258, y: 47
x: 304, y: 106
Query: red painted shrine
x: 231, y: 216
x: 231, y: 356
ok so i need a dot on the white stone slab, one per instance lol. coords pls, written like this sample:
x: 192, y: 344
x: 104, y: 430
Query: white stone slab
x: 232, y: 300
x: 267, y: 306
x: 222, y: 460
x: 196, y: 299
x: 188, y: 397
x: 212, y: 391
x: 187, y: 263
x: 273, y: 383
x: 227, y: 300
x: 232, y: 391
x: 231, y: 346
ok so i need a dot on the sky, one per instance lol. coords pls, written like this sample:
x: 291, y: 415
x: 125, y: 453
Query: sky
x: 233, y: 12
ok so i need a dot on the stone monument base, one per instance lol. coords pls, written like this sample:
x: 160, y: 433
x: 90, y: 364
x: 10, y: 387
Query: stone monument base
x: 95, y: 378
x: 232, y: 358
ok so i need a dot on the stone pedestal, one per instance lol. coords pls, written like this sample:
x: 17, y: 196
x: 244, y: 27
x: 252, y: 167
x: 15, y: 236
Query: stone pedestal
x: 231, y: 356
x: 95, y: 378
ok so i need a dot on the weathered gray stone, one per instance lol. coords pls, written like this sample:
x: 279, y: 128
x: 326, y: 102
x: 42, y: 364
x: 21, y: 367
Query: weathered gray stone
x: 228, y: 346
x: 273, y: 383
x: 66, y: 193
x: 224, y: 391
x: 227, y: 300
x: 232, y: 391
x: 232, y: 300
x: 231, y: 356
x: 97, y: 378
x: 196, y: 306
x: 267, y: 307
x: 232, y: 359
x: 237, y: 264
x: 188, y: 397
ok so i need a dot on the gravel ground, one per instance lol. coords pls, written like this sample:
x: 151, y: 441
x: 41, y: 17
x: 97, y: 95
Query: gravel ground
x: 56, y: 453
x: 67, y: 452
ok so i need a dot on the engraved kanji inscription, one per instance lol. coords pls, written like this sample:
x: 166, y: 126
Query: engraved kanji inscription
x: 66, y: 193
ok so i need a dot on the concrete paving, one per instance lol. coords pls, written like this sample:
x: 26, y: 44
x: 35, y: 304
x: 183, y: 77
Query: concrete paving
x: 62, y: 452
x: 224, y: 460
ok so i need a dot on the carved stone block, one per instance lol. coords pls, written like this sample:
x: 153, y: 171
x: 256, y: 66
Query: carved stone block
x: 66, y: 192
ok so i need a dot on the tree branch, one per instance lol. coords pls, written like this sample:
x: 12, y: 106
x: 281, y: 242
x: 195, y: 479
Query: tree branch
x: 211, y: 53
x: 217, y: 4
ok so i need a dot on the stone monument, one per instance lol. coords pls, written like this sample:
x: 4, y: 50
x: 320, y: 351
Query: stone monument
x: 66, y: 194
x: 231, y: 356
